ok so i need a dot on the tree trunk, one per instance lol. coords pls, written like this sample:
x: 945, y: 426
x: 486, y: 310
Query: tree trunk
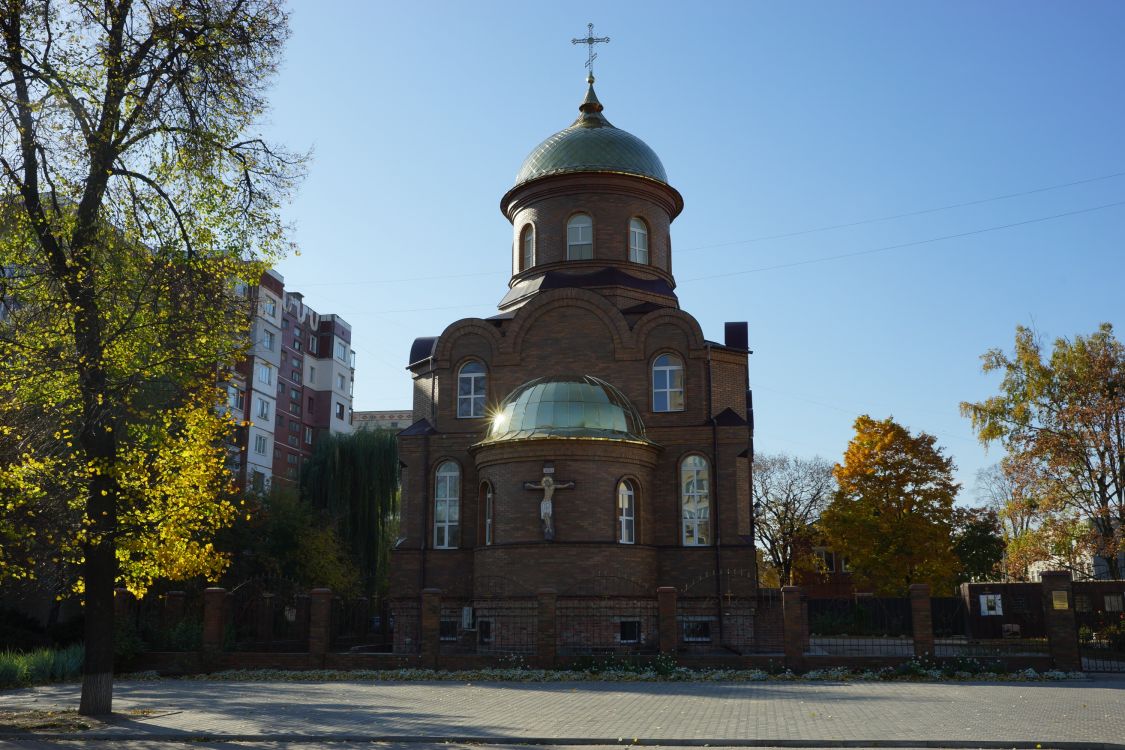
x: 97, y: 671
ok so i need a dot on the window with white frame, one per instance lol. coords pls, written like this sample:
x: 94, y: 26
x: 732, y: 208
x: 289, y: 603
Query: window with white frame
x: 579, y: 238
x: 447, y: 505
x: 991, y: 605
x: 269, y: 306
x: 339, y: 410
x: 626, y: 512
x: 312, y: 343
x: 667, y: 383
x: 236, y: 397
x: 265, y: 374
x: 341, y: 351
x: 696, y: 629
x: 695, y: 501
x: 488, y: 508
x: 308, y: 436
x: 629, y: 631
x: 261, y: 444
x: 1114, y: 602
x: 339, y: 382
x: 263, y: 408
x: 472, y: 384
x: 638, y: 241
x: 527, y: 248
x: 268, y: 340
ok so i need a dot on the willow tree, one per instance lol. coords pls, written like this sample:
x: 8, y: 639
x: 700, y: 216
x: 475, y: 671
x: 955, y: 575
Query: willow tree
x: 355, y: 479
x: 134, y: 192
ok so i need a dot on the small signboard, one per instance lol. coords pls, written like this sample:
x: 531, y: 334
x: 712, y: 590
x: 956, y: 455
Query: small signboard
x: 1060, y: 600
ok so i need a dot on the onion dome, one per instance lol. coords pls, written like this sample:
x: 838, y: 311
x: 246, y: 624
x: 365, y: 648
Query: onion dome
x: 569, y: 406
x: 592, y: 144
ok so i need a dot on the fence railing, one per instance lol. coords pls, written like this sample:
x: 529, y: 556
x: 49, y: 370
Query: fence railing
x: 272, y: 615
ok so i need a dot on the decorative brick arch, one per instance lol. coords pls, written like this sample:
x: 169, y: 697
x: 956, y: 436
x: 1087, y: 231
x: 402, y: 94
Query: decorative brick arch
x: 458, y: 329
x: 582, y: 299
x: 669, y: 316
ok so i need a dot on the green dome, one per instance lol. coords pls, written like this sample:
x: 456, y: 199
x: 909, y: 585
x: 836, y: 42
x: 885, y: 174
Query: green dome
x: 575, y: 406
x: 592, y: 144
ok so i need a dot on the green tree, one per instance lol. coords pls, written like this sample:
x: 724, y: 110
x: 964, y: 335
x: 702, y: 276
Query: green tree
x: 789, y: 495
x: 893, y: 508
x: 281, y: 535
x: 978, y: 543
x: 355, y: 479
x: 132, y: 196
x: 1062, y: 422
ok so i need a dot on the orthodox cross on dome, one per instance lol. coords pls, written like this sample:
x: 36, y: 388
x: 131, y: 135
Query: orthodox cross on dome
x: 590, y: 41
x: 546, y: 506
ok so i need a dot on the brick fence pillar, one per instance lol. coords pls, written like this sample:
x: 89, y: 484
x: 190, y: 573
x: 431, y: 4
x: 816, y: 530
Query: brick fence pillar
x: 666, y: 614
x: 174, y: 605
x: 320, y: 621
x: 922, y: 618
x: 796, y: 631
x: 214, y: 617
x: 546, y: 634
x: 1062, y: 632
x: 431, y: 627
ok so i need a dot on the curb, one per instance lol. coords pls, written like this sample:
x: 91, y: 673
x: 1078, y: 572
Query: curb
x: 563, y: 741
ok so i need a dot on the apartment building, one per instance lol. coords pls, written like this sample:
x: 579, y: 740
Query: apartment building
x: 294, y: 387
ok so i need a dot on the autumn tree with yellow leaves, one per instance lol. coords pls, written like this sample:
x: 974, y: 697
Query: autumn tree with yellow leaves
x: 133, y: 194
x: 892, y: 512
x: 1061, y: 419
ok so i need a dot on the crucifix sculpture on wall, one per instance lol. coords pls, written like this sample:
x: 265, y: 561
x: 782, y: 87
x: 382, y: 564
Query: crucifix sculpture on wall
x: 546, y: 505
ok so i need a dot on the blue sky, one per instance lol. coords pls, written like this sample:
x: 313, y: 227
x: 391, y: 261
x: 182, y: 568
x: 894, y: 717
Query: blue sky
x: 771, y: 119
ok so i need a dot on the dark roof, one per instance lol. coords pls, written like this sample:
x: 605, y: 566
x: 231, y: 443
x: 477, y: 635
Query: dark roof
x: 602, y: 277
x: 729, y: 418
x: 422, y: 349
x: 421, y: 427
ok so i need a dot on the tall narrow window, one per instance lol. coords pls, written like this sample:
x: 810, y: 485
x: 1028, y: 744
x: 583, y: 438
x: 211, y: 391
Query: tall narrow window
x: 488, y: 507
x: 579, y: 238
x: 626, y: 512
x: 638, y: 241
x: 527, y: 248
x: 695, y: 501
x: 471, y: 390
x: 447, y: 506
x: 667, y: 383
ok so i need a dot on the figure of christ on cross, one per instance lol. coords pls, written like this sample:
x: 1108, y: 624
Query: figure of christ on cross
x: 546, y: 507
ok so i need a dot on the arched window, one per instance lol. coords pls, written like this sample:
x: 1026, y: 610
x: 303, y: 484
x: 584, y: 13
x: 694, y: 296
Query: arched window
x: 638, y: 241
x: 447, y: 506
x: 527, y: 248
x: 667, y: 383
x: 472, y: 386
x: 486, y: 492
x: 579, y: 238
x: 695, y: 501
x: 626, y: 512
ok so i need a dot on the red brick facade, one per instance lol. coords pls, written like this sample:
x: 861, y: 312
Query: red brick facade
x: 609, y: 318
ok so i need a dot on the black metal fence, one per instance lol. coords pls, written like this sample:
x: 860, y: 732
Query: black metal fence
x: 606, y: 625
x: 268, y: 614
x: 860, y: 626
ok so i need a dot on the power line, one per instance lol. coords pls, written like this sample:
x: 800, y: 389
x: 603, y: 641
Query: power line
x: 902, y: 245
x: 752, y: 240
x: 908, y: 214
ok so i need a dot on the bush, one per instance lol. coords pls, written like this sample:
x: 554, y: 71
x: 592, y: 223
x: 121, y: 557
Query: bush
x: 40, y: 666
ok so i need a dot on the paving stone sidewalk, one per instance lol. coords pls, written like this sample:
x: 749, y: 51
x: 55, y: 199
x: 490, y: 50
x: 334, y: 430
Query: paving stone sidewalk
x: 1031, y: 712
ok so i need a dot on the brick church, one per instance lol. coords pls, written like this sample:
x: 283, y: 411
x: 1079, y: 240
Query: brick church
x: 587, y: 440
